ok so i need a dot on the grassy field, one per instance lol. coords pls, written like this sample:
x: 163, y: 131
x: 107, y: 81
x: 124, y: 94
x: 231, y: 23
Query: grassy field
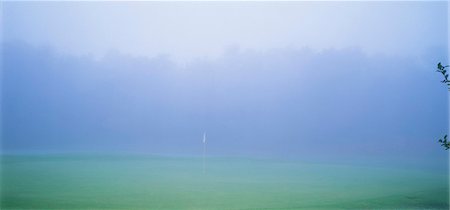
x: 148, y: 182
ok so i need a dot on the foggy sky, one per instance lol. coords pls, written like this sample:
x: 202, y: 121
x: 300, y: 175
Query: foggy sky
x: 188, y: 30
x: 300, y: 80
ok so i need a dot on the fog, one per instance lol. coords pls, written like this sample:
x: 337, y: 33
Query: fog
x: 311, y: 81
x: 189, y: 30
x: 277, y: 103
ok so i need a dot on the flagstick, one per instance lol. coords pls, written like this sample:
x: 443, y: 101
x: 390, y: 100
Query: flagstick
x: 204, y: 152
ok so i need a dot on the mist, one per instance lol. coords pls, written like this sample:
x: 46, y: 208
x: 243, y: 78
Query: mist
x: 283, y: 103
x: 224, y: 105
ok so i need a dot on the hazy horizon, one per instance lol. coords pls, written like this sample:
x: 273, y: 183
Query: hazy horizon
x: 263, y: 79
x: 305, y: 105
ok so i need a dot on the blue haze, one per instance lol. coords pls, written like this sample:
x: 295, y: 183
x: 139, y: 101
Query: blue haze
x: 322, y: 81
x: 284, y: 103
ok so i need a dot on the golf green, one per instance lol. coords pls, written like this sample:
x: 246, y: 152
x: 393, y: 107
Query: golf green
x: 151, y: 182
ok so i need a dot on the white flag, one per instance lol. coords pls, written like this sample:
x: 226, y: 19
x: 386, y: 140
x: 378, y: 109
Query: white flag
x: 204, y: 138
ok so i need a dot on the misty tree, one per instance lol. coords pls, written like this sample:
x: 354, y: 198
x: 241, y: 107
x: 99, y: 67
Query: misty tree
x: 443, y: 70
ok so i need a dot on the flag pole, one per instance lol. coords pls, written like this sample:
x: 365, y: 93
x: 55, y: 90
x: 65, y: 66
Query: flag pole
x: 204, y: 152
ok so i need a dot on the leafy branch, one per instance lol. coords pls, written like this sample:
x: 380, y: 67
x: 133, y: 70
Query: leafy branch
x: 443, y: 70
x: 445, y: 143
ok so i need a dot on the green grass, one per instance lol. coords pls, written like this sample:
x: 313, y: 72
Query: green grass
x: 143, y: 182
